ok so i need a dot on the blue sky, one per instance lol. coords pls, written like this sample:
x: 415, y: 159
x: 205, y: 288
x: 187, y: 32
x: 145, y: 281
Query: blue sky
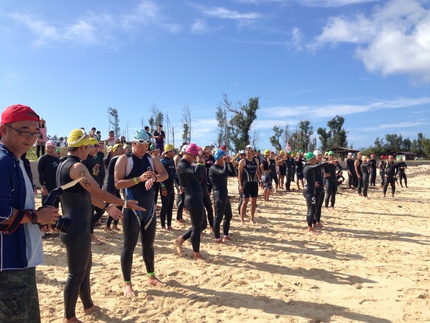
x: 368, y: 61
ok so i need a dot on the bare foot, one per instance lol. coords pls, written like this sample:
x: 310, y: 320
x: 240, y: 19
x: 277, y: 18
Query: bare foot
x: 181, y: 221
x: 92, y: 309
x: 128, y: 290
x: 154, y: 281
x: 170, y: 228
x: 108, y: 229
x: 252, y: 221
x: 225, y: 239
x: 94, y: 240
x: 72, y: 320
x: 115, y: 228
x: 312, y: 231
x: 198, y: 257
x: 219, y: 241
x: 178, y: 245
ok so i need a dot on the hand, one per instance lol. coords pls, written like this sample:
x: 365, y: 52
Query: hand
x: 132, y: 204
x: 146, y: 176
x: 150, y: 182
x: 180, y: 190
x: 241, y: 189
x: 114, y: 212
x: 44, y: 191
x: 47, y: 215
x: 317, y: 184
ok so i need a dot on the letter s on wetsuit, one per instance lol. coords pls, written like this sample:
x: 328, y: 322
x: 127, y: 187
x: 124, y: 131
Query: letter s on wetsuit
x: 309, y: 190
x: 76, y: 205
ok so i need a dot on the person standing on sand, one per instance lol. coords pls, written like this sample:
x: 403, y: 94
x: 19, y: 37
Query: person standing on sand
x: 249, y: 175
x: 189, y: 181
x: 358, y: 171
x: 136, y: 173
x: 20, y: 238
x: 309, y: 189
x: 76, y: 203
x: 390, y: 173
x: 401, y: 166
x: 319, y: 191
x: 372, y: 167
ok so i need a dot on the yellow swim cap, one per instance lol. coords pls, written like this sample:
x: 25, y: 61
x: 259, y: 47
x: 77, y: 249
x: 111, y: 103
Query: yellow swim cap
x: 78, y: 138
x: 281, y: 152
x: 266, y: 152
x: 168, y: 147
x: 93, y: 141
x: 115, y: 147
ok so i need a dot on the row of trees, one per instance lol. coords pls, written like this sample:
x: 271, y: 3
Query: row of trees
x: 234, y: 131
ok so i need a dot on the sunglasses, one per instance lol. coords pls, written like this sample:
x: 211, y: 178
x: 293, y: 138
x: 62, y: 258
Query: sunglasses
x: 141, y: 141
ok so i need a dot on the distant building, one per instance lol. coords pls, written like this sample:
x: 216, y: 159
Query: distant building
x: 342, y: 152
x: 405, y: 155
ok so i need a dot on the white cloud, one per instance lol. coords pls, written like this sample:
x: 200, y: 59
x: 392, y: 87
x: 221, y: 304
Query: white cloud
x: 97, y: 28
x: 223, y: 13
x: 393, y: 39
x: 345, y: 109
x: 199, y: 27
x: 397, y: 126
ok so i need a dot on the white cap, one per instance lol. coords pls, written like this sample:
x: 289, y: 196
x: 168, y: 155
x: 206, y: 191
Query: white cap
x: 249, y: 147
x: 317, y: 152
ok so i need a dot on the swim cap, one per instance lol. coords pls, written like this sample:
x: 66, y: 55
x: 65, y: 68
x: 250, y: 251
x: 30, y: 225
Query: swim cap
x: 115, y: 147
x: 300, y: 151
x: 317, y: 152
x: 309, y: 155
x: 266, y: 152
x: 192, y: 149
x: 281, y: 151
x: 141, y: 135
x: 330, y: 153
x: 93, y: 141
x: 168, y: 147
x: 223, y: 147
x: 78, y: 138
x: 50, y: 143
x: 290, y: 152
x: 242, y: 152
x: 249, y: 147
x: 219, y: 154
x: 18, y: 112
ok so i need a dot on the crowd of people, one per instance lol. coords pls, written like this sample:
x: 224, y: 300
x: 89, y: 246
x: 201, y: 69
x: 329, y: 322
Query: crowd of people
x: 125, y: 179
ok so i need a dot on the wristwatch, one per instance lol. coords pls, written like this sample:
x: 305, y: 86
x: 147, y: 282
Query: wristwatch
x: 32, y: 215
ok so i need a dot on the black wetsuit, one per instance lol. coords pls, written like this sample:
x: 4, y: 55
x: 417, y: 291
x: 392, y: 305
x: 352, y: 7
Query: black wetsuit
x: 365, y: 177
x: 359, y: 176
x: 189, y: 179
x: 135, y: 222
x: 273, y: 174
x: 76, y: 205
x: 382, y: 165
x: 209, y: 161
x: 372, y: 165
x: 352, y: 175
x: 218, y: 176
x: 109, y: 186
x: 299, y: 168
x: 402, y: 175
x: 390, y: 172
x: 289, y: 174
x: 309, y: 191
x: 204, y: 180
x: 331, y: 184
x: 250, y: 179
x: 319, y: 193
x: 47, y: 169
x: 167, y: 201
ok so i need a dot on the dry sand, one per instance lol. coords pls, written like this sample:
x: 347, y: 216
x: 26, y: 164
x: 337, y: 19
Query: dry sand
x: 369, y: 264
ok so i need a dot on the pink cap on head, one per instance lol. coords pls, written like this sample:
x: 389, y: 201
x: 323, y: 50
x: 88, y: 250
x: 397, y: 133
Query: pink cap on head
x: 192, y: 149
x: 50, y: 143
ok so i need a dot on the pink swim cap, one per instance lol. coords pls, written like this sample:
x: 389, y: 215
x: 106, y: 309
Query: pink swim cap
x: 192, y: 149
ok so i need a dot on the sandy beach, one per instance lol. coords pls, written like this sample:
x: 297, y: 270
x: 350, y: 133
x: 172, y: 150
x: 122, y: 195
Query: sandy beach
x: 370, y: 263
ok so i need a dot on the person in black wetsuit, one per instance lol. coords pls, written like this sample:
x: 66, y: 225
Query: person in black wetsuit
x: 299, y: 169
x: 390, y: 173
x: 290, y: 172
x: 309, y: 189
x: 189, y: 181
x: 249, y: 175
x: 372, y: 168
x: 206, y: 189
x: 381, y: 167
x: 109, y: 183
x: 273, y: 173
x: 365, y: 165
x: 357, y: 166
x: 352, y: 175
x: 330, y: 180
x: 218, y: 175
x: 282, y: 167
x: 319, y: 192
x: 136, y: 173
x: 167, y: 188
x: 180, y: 198
x: 265, y: 175
x: 76, y: 204
x: 401, y: 166
x: 47, y: 168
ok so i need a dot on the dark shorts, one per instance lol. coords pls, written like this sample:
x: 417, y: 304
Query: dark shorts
x: 250, y: 189
x: 18, y: 296
x: 299, y: 176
